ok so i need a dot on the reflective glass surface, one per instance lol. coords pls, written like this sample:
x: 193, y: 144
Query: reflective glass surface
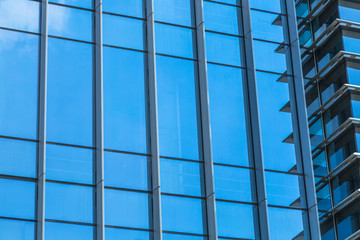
x: 134, y: 8
x: 127, y: 209
x: 76, y: 3
x: 264, y: 26
x: 268, y: 5
x: 177, y: 108
x: 70, y: 23
x: 168, y: 236
x: 19, y: 230
x: 116, y: 234
x: 126, y: 170
x: 17, y: 199
x: 265, y: 56
x: 20, y: 14
x: 69, y: 164
x: 19, y: 83
x: 279, y: 220
x: 180, y: 214
x: 69, y: 202
x: 60, y: 231
x: 124, y: 100
x: 179, y: 12
x: 70, y: 92
x: 18, y: 158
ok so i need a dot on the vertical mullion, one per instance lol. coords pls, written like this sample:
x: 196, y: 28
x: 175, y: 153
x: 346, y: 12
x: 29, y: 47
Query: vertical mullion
x: 300, y: 123
x: 154, y: 135
x: 99, y: 129
x: 205, y: 122
x: 253, y: 126
x: 42, y: 122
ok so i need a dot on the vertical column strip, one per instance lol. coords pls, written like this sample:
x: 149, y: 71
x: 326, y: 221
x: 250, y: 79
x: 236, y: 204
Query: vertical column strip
x: 253, y: 126
x: 154, y: 137
x: 205, y: 121
x: 99, y: 133
x: 42, y: 122
x: 300, y: 123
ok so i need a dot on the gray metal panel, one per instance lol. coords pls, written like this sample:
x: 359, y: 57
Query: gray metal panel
x: 205, y: 122
x: 40, y: 215
x: 300, y: 123
x: 99, y: 129
x: 253, y: 124
x: 154, y: 138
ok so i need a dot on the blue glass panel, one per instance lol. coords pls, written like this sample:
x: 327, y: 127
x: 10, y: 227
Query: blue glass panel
x: 177, y: 108
x: 266, y: 55
x: 223, y: 49
x: 18, y: 158
x: 134, y: 8
x: 349, y: 13
x: 18, y: 197
x: 17, y: 230
x: 282, y: 189
x: 227, y: 115
x: 20, y: 14
x: 124, y: 100
x: 76, y: 3
x: 268, y: 5
x: 69, y: 164
x: 69, y: 202
x: 181, y: 177
x: 70, y: 23
x: 60, y: 231
x: 176, y: 41
x: 116, y: 234
x: 232, y: 183
x: 127, y: 209
x: 222, y: 18
x: 182, y: 214
x: 126, y: 171
x: 276, y: 126
x: 168, y: 236
x: 263, y: 26
x: 279, y: 219
x: 70, y: 92
x: 353, y: 75
x: 235, y: 220
x: 175, y: 11
x: 123, y: 32
x: 19, y: 84
x: 352, y: 43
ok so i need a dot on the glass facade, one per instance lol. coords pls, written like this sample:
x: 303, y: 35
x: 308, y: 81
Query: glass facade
x: 175, y: 119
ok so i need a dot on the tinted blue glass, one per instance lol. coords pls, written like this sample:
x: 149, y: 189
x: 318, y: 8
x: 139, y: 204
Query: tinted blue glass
x: 18, y: 158
x: 116, y: 234
x: 263, y: 26
x: 70, y: 92
x: 69, y: 164
x: 70, y: 23
x: 123, y: 32
x: 177, y: 108
x: 18, y: 197
x: 181, y: 177
x: 222, y: 18
x: 232, y: 183
x: 19, y: 84
x: 20, y: 14
x: 282, y: 189
x: 269, y: 5
x: 353, y: 75
x: 17, y: 230
x: 60, y: 231
x: 227, y: 115
x: 168, y: 236
x: 235, y: 220
x: 76, y: 3
x: 69, y: 202
x: 223, y: 49
x: 349, y: 13
x: 182, y: 214
x: 351, y: 44
x: 279, y: 219
x: 126, y: 171
x: 276, y: 126
x: 127, y: 209
x: 266, y: 55
x: 133, y: 8
x: 176, y: 41
x: 175, y: 11
x: 124, y: 100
